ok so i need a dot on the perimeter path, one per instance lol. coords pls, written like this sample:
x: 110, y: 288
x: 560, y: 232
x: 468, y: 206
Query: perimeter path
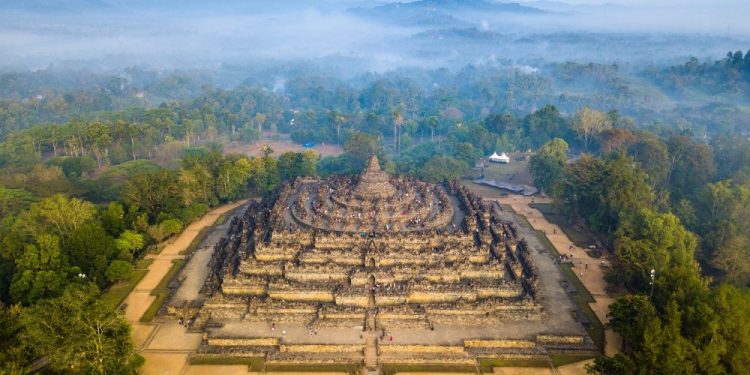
x: 588, y: 269
x: 166, y: 345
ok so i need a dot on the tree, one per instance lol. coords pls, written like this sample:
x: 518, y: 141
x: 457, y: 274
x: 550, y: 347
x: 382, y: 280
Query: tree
x: 540, y: 126
x: 581, y: 188
x: 119, y: 270
x: 616, y: 139
x: 113, y: 218
x: 151, y: 192
x: 13, y: 201
x: 546, y: 166
x: 398, y: 120
x: 443, y: 168
x: 603, y: 191
x: 233, y: 177
x: 289, y: 165
x: 129, y: 243
x: 64, y: 215
x: 617, y: 365
x: 14, y: 352
x: 692, y: 166
x: 733, y: 258
x: 41, y: 271
x: 79, y: 334
x: 648, y: 240
x: 165, y: 229
x: 91, y: 249
x: 309, y: 163
x: 731, y: 304
x: 653, y: 157
x: 630, y: 316
x: 260, y: 118
x: 360, y: 147
x: 588, y: 123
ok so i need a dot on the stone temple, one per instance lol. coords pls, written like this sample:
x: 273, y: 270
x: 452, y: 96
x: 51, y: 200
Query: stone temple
x: 379, y: 270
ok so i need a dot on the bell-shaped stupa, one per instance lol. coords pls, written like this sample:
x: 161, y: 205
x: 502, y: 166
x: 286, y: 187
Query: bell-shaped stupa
x: 374, y: 182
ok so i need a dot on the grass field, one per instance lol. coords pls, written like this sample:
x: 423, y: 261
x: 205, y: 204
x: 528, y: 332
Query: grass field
x: 556, y: 217
x: 582, y: 298
x: 348, y: 368
x: 162, y: 291
x: 486, y: 364
x: 197, y: 240
x: 391, y: 369
x: 204, y: 233
x: 253, y: 363
x: 515, y: 172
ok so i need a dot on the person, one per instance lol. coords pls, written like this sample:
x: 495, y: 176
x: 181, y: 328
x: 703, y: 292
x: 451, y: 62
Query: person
x: 390, y: 338
x: 283, y: 333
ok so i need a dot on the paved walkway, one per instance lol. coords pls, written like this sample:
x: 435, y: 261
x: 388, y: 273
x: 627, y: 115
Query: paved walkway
x: 166, y: 345
x: 588, y: 269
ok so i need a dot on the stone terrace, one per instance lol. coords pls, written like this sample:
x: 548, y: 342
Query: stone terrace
x: 383, y: 270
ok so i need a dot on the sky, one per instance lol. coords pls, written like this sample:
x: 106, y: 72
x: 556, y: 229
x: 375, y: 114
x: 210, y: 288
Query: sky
x: 700, y: 3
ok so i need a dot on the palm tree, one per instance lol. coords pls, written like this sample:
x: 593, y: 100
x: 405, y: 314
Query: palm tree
x: 398, y: 120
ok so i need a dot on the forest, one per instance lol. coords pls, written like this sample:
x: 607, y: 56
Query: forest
x: 96, y: 172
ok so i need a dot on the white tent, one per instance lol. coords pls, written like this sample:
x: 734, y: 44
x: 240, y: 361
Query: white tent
x: 505, y: 159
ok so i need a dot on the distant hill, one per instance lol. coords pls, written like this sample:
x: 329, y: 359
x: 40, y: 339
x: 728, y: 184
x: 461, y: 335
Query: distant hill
x: 444, y: 13
x: 457, y: 6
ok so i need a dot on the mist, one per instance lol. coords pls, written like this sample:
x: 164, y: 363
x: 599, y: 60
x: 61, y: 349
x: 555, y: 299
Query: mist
x: 353, y: 37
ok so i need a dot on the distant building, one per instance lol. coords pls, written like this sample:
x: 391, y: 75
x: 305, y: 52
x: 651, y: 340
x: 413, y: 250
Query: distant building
x: 503, y: 158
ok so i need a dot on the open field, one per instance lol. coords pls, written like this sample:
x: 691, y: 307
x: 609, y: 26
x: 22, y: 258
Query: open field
x: 515, y: 172
x: 279, y: 143
x: 555, y: 217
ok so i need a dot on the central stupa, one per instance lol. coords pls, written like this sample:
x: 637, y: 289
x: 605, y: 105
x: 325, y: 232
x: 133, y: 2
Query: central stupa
x: 374, y: 182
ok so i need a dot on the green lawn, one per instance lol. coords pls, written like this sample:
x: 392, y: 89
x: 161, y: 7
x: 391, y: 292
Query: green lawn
x: 205, y: 231
x: 197, y: 240
x: 555, y: 217
x: 348, y: 368
x: 515, y: 172
x: 119, y: 291
x: 486, y: 364
x: 162, y: 291
x: 253, y: 363
x: 428, y: 369
x: 582, y: 298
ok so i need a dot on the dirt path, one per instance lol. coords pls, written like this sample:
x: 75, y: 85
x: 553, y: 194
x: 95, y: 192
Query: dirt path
x: 588, y: 269
x: 166, y: 345
x: 140, y: 299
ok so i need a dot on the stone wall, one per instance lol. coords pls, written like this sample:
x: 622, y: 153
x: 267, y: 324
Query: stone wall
x: 517, y: 344
x: 391, y: 348
x: 321, y: 348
